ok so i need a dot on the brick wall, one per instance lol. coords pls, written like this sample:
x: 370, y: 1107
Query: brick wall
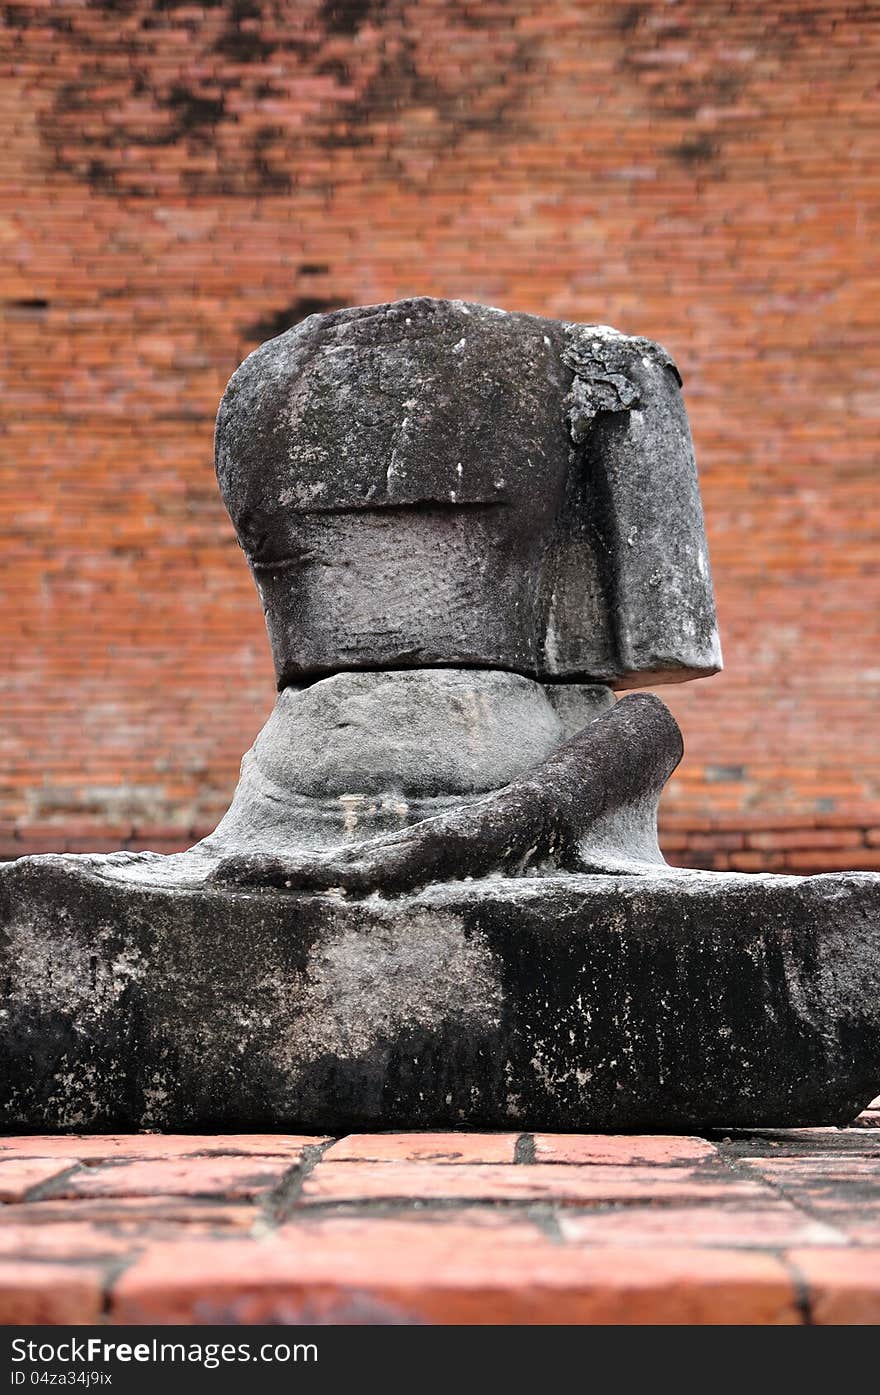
x: 182, y: 180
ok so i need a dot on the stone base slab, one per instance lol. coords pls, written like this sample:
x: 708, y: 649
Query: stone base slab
x: 670, y: 1002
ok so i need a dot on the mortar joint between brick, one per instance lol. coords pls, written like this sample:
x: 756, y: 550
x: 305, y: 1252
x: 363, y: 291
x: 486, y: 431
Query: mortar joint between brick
x: 524, y: 1149
x: 45, y: 1190
x: 803, y: 1297
x: 544, y: 1215
x: 779, y: 1190
x: 113, y: 1272
x: 284, y: 1197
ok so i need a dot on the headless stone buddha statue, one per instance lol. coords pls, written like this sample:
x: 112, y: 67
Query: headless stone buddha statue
x: 467, y: 528
x: 437, y: 898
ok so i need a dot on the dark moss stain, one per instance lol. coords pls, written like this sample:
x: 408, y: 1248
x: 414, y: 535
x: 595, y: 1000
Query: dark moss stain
x: 16, y: 17
x: 28, y: 305
x: 277, y: 321
x: 690, y: 85
x: 271, y: 178
x: 243, y: 45
x: 348, y: 16
x: 638, y: 1009
x: 629, y: 17
x: 695, y: 150
x: 369, y: 62
x: 192, y: 112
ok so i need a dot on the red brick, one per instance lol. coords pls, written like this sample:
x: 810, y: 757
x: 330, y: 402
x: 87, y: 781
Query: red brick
x: 673, y: 842
x: 452, y: 1276
x: 757, y: 1225
x: 852, y: 860
x: 843, y: 1285
x: 232, y: 1178
x: 124, y: 1216
x: 20, y: 1175
x: 621, y: 1148
x: 424, y: 1147
x: 842, y: 1190
x: 747, y: 822
x: 563, y: 1182
x: 848, y: 1210
x: 808, y: 838
x: 717, y: 842
x: 74, y: 1240
x: 158, y: 1145
x: 749, y: 862
x: 33, y: 1292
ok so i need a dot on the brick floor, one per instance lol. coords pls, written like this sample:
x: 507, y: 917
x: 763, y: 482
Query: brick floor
x: 768, y: 1227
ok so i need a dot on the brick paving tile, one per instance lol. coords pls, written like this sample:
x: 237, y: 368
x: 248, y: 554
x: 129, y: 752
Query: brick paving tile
x: 37, y: 1292
x: 63, y: 1240
x: 425, y: 1147
x: 475, y: 1278
x: 843, y: 1285
x: 841, y: 1191
x: 595, y: 1229
x: 765, y: 1225
x: 88, y: 1147
x: 229, y: 1177
x: 340, y: 1182
x: 849, y: 1211
x: 620, y: 1148
x: 18, y: 1176
x: 442, y: 1225
x: 129, y: 1215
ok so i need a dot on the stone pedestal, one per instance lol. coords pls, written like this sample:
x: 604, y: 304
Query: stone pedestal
x: 674, y: 1001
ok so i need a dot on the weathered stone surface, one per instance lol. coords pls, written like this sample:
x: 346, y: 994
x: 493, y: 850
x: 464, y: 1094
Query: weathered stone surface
x: 669, y: 1001
x: 591, y: 805
x: 364, y: 754
x: 433, y: 482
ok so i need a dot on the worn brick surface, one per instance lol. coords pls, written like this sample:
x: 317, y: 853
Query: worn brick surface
x: 129, y: 1216
x: 839, y: 1187
x: 469, y: 1277
x: 19, y: 1176
x: 422, y: 1147
x: 182, y: 181
x: 843, y: 1285
x: 759, y: 1227
x: 625, y: 1148
x: 757, y: 1224
x: 23, y: 1238
x: 34, y: 1292
x: 89, y: 1147
x: 235, y: 1178
x: 337, y: 1182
